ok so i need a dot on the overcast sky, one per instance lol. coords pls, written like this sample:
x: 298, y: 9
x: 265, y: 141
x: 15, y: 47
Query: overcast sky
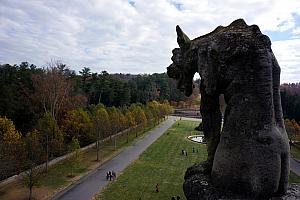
x: 136, y: 36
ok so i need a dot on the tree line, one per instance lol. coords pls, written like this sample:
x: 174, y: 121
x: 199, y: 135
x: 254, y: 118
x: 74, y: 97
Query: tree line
x: 50, y: 138
x: 290, y: 100
x: 45, y: 112
x: 27, y: 91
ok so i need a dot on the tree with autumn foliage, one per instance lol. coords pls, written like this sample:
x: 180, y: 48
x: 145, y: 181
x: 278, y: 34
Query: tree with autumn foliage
x: 130, y: 121
x: 101, y: 124
x: 52, y: 90
x: 11, y: 148
x: 292, y: 129
x: 77, y: 123
x: 114, y: 120
x: 138, y: 115
x: 50, y: 136
x: 8, y: 132
x: 34, y: 155
x: 74, y: 147
x: 154, y: 108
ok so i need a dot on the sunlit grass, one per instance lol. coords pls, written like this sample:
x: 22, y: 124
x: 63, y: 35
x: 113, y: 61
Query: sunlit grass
x: 161, y: 163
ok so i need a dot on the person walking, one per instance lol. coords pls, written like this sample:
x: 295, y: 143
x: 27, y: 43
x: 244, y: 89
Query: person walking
x: 110, y: 175
x: 107, y: 176
x: 114, y: 175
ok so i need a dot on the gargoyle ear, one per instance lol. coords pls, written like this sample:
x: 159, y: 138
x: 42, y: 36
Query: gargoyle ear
x: 182, y: 39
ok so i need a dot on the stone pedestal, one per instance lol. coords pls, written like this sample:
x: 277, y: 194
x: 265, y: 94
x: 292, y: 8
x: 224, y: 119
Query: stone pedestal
x: 198, y: 186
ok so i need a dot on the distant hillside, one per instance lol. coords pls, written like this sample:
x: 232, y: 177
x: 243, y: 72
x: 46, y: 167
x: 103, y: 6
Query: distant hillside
x: 291, y: 87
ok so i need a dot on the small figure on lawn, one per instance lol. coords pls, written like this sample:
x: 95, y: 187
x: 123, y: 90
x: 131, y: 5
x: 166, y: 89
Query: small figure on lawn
x: 157, y: 188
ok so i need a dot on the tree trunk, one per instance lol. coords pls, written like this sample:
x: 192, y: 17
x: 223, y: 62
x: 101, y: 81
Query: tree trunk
x: 97, y: 150
x: 30, y: 183
x: 47, y: 152
x: 98, y: 141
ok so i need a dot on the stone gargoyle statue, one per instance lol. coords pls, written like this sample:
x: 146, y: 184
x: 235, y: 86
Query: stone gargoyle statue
x: 250, y: 155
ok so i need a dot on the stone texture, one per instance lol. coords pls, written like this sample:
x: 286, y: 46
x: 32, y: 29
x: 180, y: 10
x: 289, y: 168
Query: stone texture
x: 200, y: 187
x: 250, y: 156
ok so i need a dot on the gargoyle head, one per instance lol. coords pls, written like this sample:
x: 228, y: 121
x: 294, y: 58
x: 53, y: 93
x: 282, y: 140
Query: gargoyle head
x: 184, y: 64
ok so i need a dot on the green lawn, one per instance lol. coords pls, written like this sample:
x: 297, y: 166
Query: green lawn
x: 295, y: 153
x: 161, y: 163
x: 294, y: 178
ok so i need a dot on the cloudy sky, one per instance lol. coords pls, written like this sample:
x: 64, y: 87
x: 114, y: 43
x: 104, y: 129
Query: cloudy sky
x: 136, y: 36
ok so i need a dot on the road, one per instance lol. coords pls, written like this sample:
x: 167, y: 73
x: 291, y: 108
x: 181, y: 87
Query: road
x: 92, y: 183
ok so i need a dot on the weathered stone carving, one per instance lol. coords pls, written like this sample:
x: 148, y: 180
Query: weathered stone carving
x: 250, y: 156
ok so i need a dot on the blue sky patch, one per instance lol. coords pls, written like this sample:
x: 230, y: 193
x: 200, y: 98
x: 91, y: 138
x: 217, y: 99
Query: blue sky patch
x: 277, y: 36
x: 284, y: 35
x: 178, y: 5
x: 132, y: 3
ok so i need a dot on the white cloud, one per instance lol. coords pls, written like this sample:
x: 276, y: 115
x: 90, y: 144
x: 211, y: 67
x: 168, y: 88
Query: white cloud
x: 123, y: 37
x: 287, y: 53
x: 296, y: 31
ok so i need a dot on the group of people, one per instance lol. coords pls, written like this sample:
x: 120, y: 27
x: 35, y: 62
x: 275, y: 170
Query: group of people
x: 195, y: 150
x: 110, y: 175
x: 184, y: 152
x: 175, y: 198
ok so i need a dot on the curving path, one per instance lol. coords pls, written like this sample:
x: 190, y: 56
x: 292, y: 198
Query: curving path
x: 92, y: 183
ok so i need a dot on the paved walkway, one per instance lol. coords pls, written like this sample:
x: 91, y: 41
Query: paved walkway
x: 89, y: 185
x: 295, y: 166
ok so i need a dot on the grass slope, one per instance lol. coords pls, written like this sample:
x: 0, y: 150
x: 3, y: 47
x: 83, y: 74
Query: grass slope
x: 295, y: 153
x: 161, y: 163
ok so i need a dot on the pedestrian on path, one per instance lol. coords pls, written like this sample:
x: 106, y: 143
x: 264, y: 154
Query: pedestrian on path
x: 107, y: 176
x: 114, y: 175
x: 110, y: 175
